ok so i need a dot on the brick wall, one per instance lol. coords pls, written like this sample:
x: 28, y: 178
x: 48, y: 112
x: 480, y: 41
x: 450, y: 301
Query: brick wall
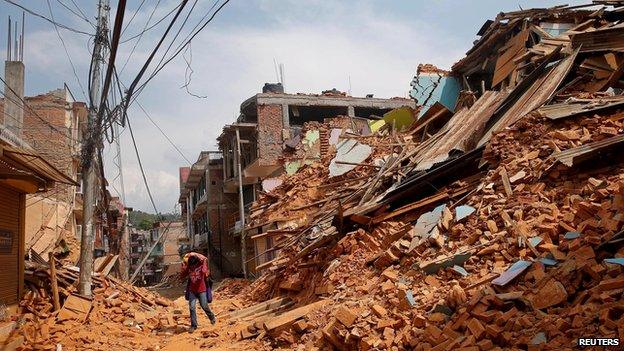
x: 57, y: 148
x: 270, y: 124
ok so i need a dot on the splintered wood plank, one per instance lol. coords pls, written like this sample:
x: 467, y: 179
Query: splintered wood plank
x: 505, y: 65
x: 266, y: 305
x: 292, y: 315
x: 506, y: 182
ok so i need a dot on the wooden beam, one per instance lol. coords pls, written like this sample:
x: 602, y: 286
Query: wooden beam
x: 413, y: 206
x: 292, y: 315
x: 55, y: 292
x: 271, y: 233
x: 266, y: 264
x: 248, y: 311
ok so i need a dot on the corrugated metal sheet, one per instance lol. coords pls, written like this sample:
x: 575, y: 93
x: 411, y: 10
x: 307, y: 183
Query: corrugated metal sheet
x: 570, y: 109
x: 585, y: 152
x: 463, y: 131
x: 536, y: 95
x: 37, y: 165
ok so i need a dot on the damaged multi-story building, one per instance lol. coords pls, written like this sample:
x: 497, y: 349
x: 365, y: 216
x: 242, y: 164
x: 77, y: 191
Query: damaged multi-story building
x: 52, y: 124
x: 253, y: 147
x: 174, y: 234
x: 209, y: 212
x: 25, y: 174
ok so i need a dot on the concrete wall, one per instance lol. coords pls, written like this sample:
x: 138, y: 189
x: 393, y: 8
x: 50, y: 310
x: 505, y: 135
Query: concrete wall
x: 14, y: 90
x: 170, y: 246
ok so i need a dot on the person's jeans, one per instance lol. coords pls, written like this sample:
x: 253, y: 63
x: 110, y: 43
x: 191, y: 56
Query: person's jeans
x: 203, y: 302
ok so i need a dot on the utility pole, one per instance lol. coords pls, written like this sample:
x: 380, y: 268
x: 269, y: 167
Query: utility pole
x: 123, y: 246
x: 241, y: 204
x: 89, y: 160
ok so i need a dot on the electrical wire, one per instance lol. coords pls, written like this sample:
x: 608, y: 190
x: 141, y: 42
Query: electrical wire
x: 47, y: 19
x: 180, y: 48
x: 81, y: 15
x: 136, y: 150
x: 188, y: 73
x: 93, y: 140
x: 157, y: 69
x: 66, y: 51
x: 112, y: 115
x: 42, y: 198
x: 163, y: 133
x: 132, y: 18
x: 154, y: 25
x: 140, y: 37
x: 178, y: 32
x: 53, y: 127
x: 186, y: 42
x: 80, y: 10
x: 136, y: 80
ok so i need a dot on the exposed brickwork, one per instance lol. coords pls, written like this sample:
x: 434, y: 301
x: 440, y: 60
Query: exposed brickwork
x: 270, y: 124
x: 57, y: 148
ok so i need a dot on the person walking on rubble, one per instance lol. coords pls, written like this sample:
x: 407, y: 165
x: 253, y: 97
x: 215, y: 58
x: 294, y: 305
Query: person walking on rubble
x: 198, y: 286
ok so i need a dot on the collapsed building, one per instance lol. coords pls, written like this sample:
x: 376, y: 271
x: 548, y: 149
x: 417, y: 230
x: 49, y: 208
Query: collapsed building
x: 53, y: 124
x: 24, y: 174
x: 494, y: 222
x: 255, y: 148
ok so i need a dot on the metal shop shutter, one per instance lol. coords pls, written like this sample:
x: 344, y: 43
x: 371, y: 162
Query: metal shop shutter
x: 9, y: 245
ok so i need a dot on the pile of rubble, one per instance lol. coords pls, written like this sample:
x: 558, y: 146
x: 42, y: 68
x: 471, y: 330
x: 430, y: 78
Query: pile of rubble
x: 119, y: 315
x: 494, y: 224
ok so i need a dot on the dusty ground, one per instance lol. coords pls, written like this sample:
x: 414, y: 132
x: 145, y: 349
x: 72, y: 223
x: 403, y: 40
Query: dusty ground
x: 208, y: 337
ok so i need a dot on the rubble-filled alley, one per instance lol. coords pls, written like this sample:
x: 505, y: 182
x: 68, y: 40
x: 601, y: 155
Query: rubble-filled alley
x: 486, y: 213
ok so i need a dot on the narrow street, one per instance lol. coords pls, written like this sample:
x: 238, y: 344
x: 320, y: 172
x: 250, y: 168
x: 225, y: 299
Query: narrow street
x: 305, y: 175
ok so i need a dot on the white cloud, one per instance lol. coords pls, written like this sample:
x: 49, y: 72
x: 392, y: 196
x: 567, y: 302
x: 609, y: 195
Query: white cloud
x: 231, y: 63
x: 321, y: 44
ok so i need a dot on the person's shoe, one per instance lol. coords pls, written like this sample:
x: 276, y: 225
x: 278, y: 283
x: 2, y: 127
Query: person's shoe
x: 213, y: 320
x: 192, y: 329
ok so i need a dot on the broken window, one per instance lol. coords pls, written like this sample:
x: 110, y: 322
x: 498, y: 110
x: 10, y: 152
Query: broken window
x: 298, y: 115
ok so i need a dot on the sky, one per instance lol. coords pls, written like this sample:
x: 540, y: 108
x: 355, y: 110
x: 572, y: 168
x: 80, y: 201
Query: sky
x: 362, y: 46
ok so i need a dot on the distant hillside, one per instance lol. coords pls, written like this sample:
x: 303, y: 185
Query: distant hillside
x: 144, y: 220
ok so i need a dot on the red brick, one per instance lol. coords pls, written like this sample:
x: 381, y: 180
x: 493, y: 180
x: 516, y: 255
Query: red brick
x: 476, y: 328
